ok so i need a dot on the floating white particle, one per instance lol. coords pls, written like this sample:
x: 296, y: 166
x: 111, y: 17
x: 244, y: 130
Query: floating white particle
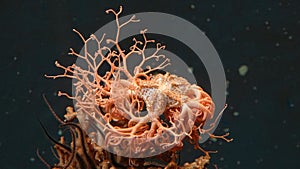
x: 59, y: 132
x: 192, y: 6
x: 32, y: 159
x: 267, y: 22
x: 290, y: 37
x: 243, y: 69
x: 226, y: 130
x: 236, y: 113
x: 208, y: 19
x: 277, y: 44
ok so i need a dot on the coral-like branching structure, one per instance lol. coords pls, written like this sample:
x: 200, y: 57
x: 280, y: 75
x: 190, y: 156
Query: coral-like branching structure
x: 141, y: 115
x: 82, y: 153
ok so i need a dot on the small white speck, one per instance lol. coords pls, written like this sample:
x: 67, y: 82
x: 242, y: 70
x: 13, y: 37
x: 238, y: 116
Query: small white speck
x: 233, y: 39
x: 213, y: 5
x: 243, y: 69
x: 29, y: 91
x: 238, y: 162
x: 298, y: 145
x: 236, y: 113
x: 291, y: 105
x: 15, y: 58
x: 267, y: 22
x: 277, y: 44
x: 6, y: 112
x: 254, y: 88
x: 226, y: 130
x: 290, y: 37
x: 222, y: 159
x: 18, y: 73
x: 247, y: 28
x: 192, y: 6
x: 32, y: 159
x: 59, y: 132
x: 285, y: 32
x: 208, y: 20
x: 269, y: 9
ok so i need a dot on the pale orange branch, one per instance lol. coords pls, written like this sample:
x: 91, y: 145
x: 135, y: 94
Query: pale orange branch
x: 132, y: 19
x: 80, y: 35
x: 72, y: 52
x: 65, y: 94
x: 221, y: 137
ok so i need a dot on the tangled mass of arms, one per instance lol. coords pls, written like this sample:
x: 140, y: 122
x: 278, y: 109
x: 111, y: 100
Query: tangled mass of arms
x: 130, y: 115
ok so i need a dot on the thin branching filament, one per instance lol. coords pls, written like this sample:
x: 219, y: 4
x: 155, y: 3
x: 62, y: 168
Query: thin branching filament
x: 135, y: 113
